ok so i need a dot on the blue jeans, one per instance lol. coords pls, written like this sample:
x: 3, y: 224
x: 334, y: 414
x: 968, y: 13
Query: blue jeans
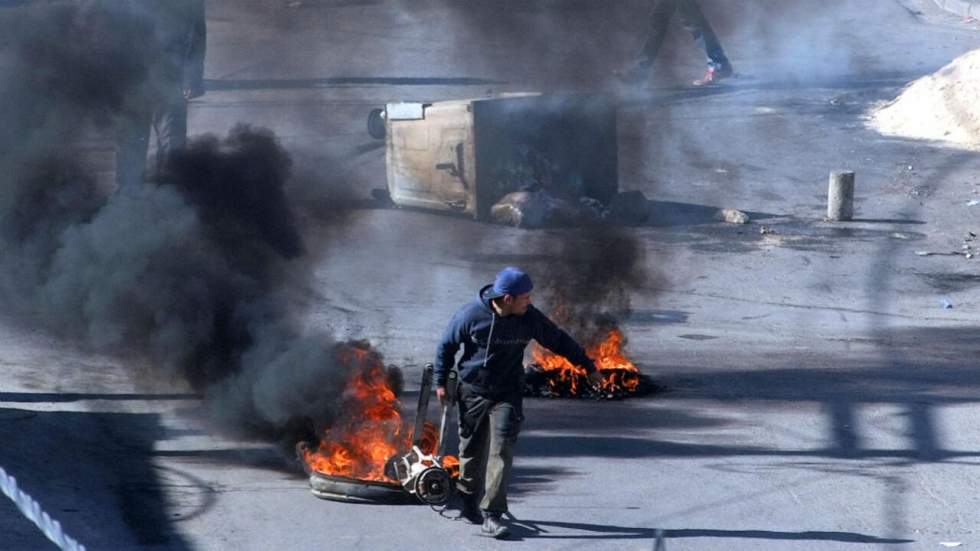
x: 695, y: 23
x: 168, y: 121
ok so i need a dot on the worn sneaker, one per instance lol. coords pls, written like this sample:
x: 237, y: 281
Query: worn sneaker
x: 493, y: 526
x: 469, y: 508
x: 713, y: 75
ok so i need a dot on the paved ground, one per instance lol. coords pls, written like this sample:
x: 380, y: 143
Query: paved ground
x: 818, y: 396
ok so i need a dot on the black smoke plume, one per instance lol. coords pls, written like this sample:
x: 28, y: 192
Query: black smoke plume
x: 588, y: 279
x: 201, y: 274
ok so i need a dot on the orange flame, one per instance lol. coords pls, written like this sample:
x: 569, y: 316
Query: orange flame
x: 451, y: 464
x: 620, y: 374
x: 371, y: 431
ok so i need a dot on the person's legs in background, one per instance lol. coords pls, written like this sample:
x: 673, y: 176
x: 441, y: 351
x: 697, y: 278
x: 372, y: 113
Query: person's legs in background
x: 660, y: 17
x: 694, y: 21
x: 170, y: 128
x: 132, y: 141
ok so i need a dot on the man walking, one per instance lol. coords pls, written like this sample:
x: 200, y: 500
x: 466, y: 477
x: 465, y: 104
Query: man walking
x: 493, y: 331
x: 175, y: 76
x: 694, y: 21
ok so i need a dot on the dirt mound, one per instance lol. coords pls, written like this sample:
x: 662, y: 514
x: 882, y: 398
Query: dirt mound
x: 942, y: 106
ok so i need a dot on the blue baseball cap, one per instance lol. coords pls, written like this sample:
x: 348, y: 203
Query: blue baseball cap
x: 511, y: 281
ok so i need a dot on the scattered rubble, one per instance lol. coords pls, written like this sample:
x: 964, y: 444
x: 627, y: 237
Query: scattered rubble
x: 966, y: 249
x: 593, y: 207
x: 936, y: 253
x: 540, y: 209
x: 522, y: 209
x: 732, y: 216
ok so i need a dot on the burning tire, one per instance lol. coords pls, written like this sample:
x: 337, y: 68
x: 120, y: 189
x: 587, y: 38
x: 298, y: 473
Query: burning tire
x: 349, y: 490
x: 337, y: 488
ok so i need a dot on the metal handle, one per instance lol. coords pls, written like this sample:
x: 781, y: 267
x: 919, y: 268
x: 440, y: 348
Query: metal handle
x: 458, y: 169
x: 423, y: 408
x: 450, y: 400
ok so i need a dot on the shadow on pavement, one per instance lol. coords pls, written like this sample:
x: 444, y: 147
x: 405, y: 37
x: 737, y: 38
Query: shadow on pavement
x: 527, y: 480
x: 531, y: 529
x: 39, y: 397
x: 670, y: 213
x: 644, y: 97
x: 657, y: 317
x: 838, y: 386
x: 887, y: 221
x: 261, y: 458
x: 93, y: 473
x: 331, y: 82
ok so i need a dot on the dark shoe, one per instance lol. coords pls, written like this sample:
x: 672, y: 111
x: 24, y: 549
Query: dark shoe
x: 468, y: 508
x: 494, y: 527
x: 714, y: 74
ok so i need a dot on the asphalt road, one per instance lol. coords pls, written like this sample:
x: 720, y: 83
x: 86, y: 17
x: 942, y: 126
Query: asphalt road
x: 817, y: 394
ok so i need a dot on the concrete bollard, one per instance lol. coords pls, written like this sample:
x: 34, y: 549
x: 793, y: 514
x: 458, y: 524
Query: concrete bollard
x: 840, y: 195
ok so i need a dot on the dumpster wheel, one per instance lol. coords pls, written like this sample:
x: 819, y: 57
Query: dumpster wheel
x: 376, y: 124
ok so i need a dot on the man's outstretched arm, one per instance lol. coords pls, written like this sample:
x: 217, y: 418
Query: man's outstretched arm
x: 552, y: 337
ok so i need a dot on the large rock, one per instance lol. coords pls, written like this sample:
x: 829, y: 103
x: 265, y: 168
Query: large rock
x: 732, y: 216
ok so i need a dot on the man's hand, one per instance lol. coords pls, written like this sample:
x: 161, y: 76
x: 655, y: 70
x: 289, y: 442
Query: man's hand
x: 596, y: 379
x: 443, y: 396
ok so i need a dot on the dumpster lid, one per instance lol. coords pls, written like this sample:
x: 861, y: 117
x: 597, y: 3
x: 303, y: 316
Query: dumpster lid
x: 405, y: 111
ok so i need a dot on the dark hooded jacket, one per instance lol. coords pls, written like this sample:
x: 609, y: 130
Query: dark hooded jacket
x: 493, y: 347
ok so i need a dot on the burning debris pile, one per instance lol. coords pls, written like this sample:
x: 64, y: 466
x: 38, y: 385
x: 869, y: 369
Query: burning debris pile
x: 360, y: 442
x: 590, y: 292
x: 535, y: 192
x: 552, y: 376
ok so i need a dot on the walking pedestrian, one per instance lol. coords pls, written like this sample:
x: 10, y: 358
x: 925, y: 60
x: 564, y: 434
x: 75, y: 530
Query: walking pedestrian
x: 694, y: 21
x: 493, y: 332
x: 175, y: 75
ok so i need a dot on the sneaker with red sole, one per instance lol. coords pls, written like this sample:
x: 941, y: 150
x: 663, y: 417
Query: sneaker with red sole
x: 714, y: 74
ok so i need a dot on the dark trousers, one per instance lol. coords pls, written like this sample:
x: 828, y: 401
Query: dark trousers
x: 693, y: 20
x: 488, y: 430
x: 169, y: 124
